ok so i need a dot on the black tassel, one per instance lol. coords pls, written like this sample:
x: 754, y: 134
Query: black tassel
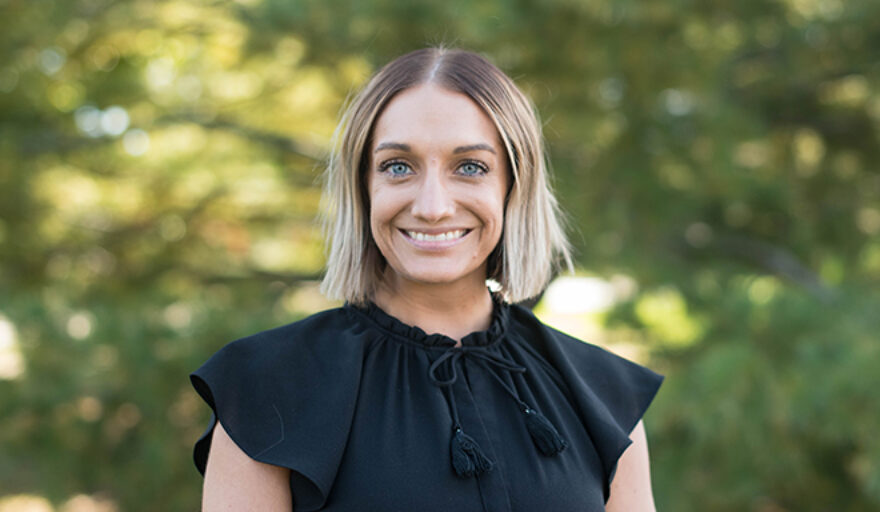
x: 482, y: 463
x: 461, y: 463
x: 467, y: 458
x: 543, y: 433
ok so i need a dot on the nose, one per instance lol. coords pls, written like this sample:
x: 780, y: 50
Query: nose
x: 433, y: 201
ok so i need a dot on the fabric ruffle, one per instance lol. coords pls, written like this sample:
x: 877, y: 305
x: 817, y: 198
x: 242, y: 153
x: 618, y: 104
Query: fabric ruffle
x: 415, y: 334
x: 286, y: 397
x: 611, y: 393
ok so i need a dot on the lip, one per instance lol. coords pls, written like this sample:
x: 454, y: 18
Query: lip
x: 434, y: 244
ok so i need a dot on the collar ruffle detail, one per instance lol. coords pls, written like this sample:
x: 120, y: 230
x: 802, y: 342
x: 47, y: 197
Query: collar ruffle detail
x: 388, y: 323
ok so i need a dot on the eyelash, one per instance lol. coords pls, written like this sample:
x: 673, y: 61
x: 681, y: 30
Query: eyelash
x: 385, y: 166
x: 484, y: 169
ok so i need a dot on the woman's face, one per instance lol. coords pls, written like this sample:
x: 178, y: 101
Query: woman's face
x: 437, y: 181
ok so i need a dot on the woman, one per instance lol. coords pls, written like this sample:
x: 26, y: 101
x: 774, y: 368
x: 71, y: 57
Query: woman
x: 439, y: 184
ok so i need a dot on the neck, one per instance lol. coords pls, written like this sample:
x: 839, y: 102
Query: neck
x: 454, y: 310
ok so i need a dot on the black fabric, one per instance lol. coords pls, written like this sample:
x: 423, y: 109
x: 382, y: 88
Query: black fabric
x: 347, y: 399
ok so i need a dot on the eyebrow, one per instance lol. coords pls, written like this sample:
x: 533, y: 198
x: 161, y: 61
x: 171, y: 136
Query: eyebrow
x: 459, y: 149
x: 392, y: 145
x: 474, y: 147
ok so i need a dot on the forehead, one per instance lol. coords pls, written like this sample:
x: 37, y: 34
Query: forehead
x: 431, y: 116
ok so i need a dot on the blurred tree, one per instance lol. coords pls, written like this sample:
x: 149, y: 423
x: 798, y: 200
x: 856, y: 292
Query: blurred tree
x: 158, y: 187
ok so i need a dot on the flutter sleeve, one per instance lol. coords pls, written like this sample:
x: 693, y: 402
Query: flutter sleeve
x: 286, y: 397
x: 610, y: 393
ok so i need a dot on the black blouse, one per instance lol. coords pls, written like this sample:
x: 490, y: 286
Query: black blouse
x: 371, y: 414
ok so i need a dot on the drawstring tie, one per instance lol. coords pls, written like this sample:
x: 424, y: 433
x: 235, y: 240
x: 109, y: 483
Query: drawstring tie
x: 467, y: 457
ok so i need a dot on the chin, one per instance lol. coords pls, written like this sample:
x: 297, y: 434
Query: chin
x: 435, y: 276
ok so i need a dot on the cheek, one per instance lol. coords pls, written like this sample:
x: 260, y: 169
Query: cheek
x: 499, y: 204
x: 384, y: 206
x: 492, y: 213
x: 374, y: 211
x: 499, y: 220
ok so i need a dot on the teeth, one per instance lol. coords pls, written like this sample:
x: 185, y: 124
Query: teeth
x: 424, y: 237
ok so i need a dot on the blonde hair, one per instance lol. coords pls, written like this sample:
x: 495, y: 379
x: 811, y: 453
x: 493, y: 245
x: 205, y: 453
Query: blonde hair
x: 533, y: 243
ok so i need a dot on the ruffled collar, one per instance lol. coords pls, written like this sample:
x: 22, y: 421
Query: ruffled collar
x: 390, y: 324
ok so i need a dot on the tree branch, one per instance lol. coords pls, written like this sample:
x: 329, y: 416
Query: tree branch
x: 281, y: 142
x: 774, y: 259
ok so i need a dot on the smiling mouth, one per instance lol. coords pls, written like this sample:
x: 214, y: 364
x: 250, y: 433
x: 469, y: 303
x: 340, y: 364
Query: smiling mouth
x: 437, y: 237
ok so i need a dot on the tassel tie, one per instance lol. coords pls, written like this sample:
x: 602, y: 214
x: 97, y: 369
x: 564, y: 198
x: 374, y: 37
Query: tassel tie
x: 467, y: 458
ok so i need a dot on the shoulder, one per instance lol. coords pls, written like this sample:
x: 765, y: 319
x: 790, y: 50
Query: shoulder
x: 552, y: 342
x: 324, y: 334
x: 304, y: 352
x: 307, y: 330
x: 604, y: 379
x: 587, y: 365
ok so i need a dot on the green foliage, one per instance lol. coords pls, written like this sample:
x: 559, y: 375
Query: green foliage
x: 159, y: 167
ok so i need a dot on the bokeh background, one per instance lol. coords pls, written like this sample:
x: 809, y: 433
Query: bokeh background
x: 160, y: 175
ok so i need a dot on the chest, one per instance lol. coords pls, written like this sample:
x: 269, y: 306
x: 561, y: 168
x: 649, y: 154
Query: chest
x: 397, y: 456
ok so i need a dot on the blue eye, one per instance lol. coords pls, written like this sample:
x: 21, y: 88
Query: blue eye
x: 472, y: 169
x: 396, y: 168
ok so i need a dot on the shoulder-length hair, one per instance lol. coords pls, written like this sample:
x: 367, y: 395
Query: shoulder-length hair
x: 533, y: 243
